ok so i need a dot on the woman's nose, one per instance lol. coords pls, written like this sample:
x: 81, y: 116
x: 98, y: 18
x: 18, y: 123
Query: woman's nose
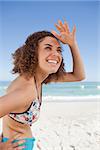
x: 54, y: 52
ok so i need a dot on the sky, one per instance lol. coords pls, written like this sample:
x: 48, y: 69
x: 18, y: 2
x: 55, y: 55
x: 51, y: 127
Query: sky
x: 19, y: 19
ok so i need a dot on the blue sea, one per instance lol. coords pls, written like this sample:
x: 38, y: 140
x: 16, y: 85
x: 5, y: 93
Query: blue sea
x: 65, y: 91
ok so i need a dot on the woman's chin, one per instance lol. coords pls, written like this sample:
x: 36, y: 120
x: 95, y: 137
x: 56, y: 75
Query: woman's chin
x: 50, y: 70
x: 53, y: 71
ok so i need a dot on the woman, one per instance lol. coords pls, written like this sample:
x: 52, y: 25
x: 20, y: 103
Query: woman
x: 38, y: 61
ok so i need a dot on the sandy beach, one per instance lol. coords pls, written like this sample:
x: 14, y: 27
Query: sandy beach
x: 68, y: 126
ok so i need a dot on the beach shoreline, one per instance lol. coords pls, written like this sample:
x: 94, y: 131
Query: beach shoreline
x: 71, y: 98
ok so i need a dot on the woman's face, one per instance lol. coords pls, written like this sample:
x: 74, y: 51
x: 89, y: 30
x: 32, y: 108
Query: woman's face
x: 49, y: 55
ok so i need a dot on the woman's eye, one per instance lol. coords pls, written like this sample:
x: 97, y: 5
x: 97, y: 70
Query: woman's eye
x: 48, y: 48
x: 59, y: 50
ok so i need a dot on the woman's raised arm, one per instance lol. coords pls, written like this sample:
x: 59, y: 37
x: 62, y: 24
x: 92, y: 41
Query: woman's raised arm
x: 69, y: 38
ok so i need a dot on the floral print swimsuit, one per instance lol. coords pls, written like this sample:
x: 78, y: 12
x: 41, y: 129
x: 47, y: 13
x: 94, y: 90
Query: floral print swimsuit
x: 30, y: 115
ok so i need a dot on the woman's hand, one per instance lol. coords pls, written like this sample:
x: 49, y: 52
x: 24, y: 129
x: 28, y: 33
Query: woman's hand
x: 65, y: 36
x: 9, y: 145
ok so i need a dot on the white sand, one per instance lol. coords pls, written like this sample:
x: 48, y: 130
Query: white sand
x: 68, y: 126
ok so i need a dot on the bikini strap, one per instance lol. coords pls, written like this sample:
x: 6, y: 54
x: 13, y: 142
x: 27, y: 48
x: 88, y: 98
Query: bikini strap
x: 36, y: 87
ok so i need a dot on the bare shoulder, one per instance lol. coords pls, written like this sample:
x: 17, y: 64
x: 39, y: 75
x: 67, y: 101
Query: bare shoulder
x: 24, y: 86
x: 19, y: 95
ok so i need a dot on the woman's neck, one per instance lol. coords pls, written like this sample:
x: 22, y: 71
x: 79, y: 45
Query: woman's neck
x: 40, y: 76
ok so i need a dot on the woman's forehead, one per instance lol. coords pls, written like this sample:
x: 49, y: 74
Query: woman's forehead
x: 50, y: 40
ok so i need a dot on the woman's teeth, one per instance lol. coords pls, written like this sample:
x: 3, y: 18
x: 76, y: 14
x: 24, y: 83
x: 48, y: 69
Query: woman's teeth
x: 52, y: 61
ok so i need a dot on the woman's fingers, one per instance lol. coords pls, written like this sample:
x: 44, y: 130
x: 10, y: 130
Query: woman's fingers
x: 58, y: 27
x: 11, y: 144
x: 19, y: 148
x: 18, y: 143
x: 62, y: 27
x: 61, y: 24
x: 66, y: 26
x: 65, y: 36
x: 59, y: 36
x: 14, y: 137
x: 55, y: 34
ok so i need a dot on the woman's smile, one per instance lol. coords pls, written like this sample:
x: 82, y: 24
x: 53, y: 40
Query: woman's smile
x: 52, y: 61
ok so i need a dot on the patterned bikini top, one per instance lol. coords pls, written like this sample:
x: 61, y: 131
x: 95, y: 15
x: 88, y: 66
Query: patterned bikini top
x: 31, y: 114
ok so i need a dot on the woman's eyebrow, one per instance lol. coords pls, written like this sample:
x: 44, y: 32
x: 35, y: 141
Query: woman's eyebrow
x: 52, y: 46
x: 48, y: 45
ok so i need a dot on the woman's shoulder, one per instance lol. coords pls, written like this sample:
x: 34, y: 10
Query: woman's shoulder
x: 21, y: 84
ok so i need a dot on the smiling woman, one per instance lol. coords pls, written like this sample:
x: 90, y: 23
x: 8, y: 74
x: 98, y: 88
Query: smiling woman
x: 39, y: 48
x: 38, y: 61
x: 49, y: 56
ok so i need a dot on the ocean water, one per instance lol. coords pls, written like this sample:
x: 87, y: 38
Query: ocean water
x: 72, y: 89
x: 65, y: 91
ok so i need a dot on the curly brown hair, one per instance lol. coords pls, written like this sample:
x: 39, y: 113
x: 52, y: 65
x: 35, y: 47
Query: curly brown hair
x: 26, y: 57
